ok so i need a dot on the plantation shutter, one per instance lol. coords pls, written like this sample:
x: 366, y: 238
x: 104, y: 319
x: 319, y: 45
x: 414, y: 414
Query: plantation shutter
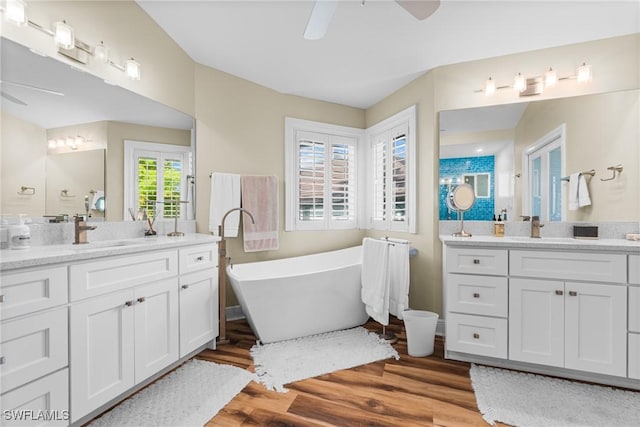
x: 311, y: 173
x: 379, y: 180
x: 398, y: 177
x: 342, y: 173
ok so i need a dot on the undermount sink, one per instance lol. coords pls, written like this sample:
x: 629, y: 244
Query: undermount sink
x: 107, y: 244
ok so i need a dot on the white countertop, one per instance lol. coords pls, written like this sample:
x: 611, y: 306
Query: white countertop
x: 564, y: 243
x: 51, y: 254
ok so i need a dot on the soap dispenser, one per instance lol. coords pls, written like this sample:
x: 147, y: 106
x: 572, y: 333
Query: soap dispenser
x: 19, y: 235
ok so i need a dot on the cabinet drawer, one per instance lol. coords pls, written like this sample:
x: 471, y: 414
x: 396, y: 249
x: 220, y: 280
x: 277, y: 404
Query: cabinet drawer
x: 477, y: 261
x: 634, y: 269
x: 49, y: 395
x: 609, y: 268
x: 198, y: 258
x: 33, y: 346
x: 483, y: 336
x: 634, y: 356
x: 116, y: 273
x: 634, y: 309
x: 26, y: 292
x: 483, y: 295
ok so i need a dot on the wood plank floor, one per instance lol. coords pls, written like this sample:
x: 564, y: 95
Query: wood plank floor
x: 412, y: 391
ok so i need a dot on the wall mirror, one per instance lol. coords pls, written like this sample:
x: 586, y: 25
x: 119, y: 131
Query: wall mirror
x: 63, y: 134
x: 598, y: 131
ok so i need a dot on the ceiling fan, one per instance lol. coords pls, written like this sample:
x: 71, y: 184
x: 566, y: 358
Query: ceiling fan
x: 323, y: 12
x: 19, y: 101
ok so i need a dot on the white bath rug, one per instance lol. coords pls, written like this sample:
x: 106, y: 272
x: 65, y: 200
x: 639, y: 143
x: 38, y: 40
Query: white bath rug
x: 530, y: 400
x: 189, y: 396
x: 284, y: 362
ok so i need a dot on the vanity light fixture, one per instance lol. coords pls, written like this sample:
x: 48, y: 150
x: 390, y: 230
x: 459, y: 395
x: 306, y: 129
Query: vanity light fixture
x: 15, y: 11
x: 63, y: 35
x: 519, y: 83
x: 101, y: 53
x: 550, y: 77
x: 132, y: 68
x: 489, y: 87
x: 52, y: 143
x: 584, y: 73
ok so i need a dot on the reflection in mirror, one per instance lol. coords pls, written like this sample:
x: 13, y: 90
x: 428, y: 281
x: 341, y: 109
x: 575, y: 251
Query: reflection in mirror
x: 598, y: 131
x: 49, y: 108
x: 461, y: 199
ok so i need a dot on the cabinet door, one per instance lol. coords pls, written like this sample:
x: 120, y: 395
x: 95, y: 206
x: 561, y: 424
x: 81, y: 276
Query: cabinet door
x: 595, y: 328
x: 156, y: 330
x: 102, y: 350
x: 536, y: 321
x: 198, y: 309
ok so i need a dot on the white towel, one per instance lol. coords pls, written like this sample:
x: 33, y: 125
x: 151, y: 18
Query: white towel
x: 225, y: 195
x: 573, y: 191
x: 375, y: 279
x: 96, y: 196
x: 583, y: 192
x: 399, y: 277
x: 260, y: 197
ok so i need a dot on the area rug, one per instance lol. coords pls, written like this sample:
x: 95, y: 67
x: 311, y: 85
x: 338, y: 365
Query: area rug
x: 189, y: 396
x: 285, y: 362
x: 530, y: 400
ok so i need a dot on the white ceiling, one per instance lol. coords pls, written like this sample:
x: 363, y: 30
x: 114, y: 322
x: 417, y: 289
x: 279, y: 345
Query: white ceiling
x: 371, y: 51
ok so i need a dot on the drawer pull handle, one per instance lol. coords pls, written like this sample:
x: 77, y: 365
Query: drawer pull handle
x: 559, y: 293
x: 476, y: 261
x: 185, y: 286
x: 142, y: 299
x: 129, y: 303
x: 3, y: 298
x: 200, y: 258
x: 476, y: 295
x: 3, y: 360
x: 573, y: 294
x: 476, y: 335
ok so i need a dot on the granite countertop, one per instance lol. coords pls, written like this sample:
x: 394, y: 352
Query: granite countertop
x: 11, y: 259
x: 564, y: 243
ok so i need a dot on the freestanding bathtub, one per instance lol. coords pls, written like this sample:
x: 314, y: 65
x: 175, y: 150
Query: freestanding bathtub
x: 295, y: 297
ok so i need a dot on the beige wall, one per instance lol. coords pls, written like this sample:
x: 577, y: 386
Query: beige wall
x: 23, y: 152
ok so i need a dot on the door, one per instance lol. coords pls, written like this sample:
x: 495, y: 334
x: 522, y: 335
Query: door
x: 101, y: 350
x: 198, y: 309
x: 536, y: 321
x: 156, y: 327
x: 596, y: 328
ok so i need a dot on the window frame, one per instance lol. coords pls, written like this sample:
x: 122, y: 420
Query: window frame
x: 403, y: 121
x: 294, y: 129
x: 135, y: 149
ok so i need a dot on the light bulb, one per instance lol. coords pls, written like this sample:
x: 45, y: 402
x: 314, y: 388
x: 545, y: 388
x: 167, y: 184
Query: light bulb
x: 520, y: 83
x: 489, y: 87
x: 101, y: 53
x: 132, y: 68
x: 584, y: 73
x: 550, y: 78
x: 16, y: 12
x: 64, y: 36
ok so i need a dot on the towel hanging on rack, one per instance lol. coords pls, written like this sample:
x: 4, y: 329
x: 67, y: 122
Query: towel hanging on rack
x: 375, y: 279
x: 225, y: 195
x: 260, y: 197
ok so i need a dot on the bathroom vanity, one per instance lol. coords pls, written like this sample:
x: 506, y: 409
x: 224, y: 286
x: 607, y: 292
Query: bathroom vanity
x: 557, y: 306
x: 84, y: 326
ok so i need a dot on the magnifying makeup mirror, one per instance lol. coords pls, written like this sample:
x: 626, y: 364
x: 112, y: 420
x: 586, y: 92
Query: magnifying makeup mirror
x: 460, y: 199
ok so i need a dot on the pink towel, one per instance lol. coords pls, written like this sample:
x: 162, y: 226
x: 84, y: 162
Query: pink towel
x: 260, y: 197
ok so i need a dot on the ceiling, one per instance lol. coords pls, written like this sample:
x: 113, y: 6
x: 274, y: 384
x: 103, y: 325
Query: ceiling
x: 372, y: 50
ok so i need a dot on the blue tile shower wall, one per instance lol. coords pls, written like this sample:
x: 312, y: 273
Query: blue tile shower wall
x: 483, y: 209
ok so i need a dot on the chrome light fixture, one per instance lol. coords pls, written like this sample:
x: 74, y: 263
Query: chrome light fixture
x: 63, y: 35
x: 15, y: 11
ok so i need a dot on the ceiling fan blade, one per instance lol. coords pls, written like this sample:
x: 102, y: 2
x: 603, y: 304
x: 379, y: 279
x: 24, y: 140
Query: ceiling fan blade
x: 13, y: 99
x: 49, y: 91
x: 320, y: 18
x: 421, y: 9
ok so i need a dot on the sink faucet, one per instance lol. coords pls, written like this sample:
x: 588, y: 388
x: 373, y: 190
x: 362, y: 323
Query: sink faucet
x: 535, y: 227
x: 81, y: 229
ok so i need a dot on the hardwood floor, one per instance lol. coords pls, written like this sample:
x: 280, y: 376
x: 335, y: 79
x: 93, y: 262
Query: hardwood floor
x: 412, y: 391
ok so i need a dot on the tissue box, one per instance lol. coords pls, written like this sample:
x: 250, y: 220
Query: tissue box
x: 585, y: 232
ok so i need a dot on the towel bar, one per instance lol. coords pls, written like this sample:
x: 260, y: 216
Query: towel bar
x: 592, y: 172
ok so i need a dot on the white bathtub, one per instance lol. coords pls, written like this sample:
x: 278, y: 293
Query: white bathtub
x: 295, y: 297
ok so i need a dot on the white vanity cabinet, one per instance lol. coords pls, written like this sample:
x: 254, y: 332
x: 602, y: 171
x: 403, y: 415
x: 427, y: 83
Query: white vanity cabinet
x: 634, y: 316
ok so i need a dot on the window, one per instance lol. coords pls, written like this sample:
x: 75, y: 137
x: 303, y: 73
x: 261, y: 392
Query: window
x: 156, y: 173
x: 391, y: 203
x: 321, y: 164
x: 543, y: 170
x: 481, y: 183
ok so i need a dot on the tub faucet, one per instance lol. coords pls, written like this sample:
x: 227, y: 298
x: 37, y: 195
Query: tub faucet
x: 81, y: 229
x: 535, y: 227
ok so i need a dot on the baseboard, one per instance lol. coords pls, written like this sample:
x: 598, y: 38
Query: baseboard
x: 235, y: 313
x: 440, y: 327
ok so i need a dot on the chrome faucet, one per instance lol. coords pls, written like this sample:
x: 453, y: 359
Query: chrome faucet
x: 81, y: 229
x: 535, y: 227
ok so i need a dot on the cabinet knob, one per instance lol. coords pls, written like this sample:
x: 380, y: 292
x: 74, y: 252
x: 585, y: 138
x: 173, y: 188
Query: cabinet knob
x: 3, y: 360
x: 129, y: 303
x: 3, y: 298
x: 573, y: 294
x: 559, y: 293
x: 142, y: 299
x: 476, y: 261
x: 476, y: 295
x: 185, y: 286
x: 476, y: 335
x: 200, y: 258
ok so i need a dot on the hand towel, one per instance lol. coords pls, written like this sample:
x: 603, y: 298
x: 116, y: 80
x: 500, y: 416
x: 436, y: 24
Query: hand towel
x: 260, y: 197
x: 375, y: 279
x: 583, y: 192
x: 225, y: 195
x: 573, y: 191
x: 96, y: 196
x: 398, y: 277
